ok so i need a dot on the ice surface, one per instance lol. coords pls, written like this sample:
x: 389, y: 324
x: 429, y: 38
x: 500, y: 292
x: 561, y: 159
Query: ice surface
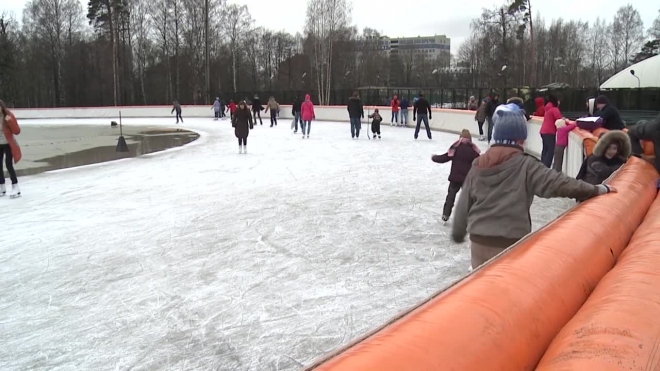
x: 200, y: 258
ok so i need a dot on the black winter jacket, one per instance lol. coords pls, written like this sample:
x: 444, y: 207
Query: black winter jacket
x: 491, y: 106
x: 296, y: 106
x: 461, y: 162
x: 256, y: 105
x: 422, y: 107
x: 611, y: 117
x: 242, y: 122
x: 355, y: 107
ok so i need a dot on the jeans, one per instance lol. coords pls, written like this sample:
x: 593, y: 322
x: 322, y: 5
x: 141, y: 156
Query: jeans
x: 424, y: 118
x: 491, y: 125
x: 5, y: 150
x: 178, y: 117
x: 242, y: 141
x: 548, y: 151
x: 454, y: 187
x: 296, y: 119
x: 481, y: 128
x: 273, y: 117
x: 305, y: 124
x: 256, y: 114
x: 404, y: 116
x: 355, y: 127
x: 395, y: 116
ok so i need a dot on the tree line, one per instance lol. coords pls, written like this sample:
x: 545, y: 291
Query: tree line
x: 135, y: 52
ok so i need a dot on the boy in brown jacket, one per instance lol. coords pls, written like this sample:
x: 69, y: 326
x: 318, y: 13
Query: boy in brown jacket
x: 499, y: 189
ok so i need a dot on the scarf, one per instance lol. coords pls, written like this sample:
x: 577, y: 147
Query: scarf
x: 452, y: 150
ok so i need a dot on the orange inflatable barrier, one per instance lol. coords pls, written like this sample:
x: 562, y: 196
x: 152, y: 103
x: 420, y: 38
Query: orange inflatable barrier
x: 504, y: 315
x: 618, y: 326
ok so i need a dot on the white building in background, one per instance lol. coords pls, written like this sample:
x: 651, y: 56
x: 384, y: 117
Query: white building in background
x: 433, y: 47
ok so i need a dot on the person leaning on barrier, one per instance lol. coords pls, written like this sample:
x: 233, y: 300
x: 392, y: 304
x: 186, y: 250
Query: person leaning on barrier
x: 646, y: 130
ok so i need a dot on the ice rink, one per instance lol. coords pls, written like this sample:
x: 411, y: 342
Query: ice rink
x: 199, y: 258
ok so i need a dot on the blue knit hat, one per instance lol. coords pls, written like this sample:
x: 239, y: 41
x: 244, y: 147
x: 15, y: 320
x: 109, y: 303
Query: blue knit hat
x: 510, y: 124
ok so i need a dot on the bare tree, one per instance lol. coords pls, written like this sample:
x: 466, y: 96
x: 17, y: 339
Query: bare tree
x: 325, y: 18
x: 237, y: 22
x: 654, y: 31
x: 599, y: 55
x: 627, y: 35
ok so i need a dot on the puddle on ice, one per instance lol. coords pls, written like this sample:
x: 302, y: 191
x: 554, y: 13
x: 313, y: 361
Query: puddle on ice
x: 96, y: 145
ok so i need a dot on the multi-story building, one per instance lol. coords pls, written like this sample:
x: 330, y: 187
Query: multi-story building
x: 436, y: 47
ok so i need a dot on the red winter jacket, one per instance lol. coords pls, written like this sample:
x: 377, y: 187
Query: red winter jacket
x: 232, y: 107
x: 395, y: 104
x: 540, y: 110
x: 552, y: 114
x: 307, y: 109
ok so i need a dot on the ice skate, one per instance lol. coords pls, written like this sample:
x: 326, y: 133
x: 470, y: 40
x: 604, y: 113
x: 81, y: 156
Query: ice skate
x: 3, y: 190
x: 307, y: 136
x: 245, y: 150
x: 378, y: 136
x: 15, y: 191
x: 374, y: 136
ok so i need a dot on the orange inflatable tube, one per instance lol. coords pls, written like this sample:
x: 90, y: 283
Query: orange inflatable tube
x: 504, y: 315
x: 618, y: 328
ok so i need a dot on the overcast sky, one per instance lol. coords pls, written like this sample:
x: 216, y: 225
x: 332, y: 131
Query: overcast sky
x: 419, y: 17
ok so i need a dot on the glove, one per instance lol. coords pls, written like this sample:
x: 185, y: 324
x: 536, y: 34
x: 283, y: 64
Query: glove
x: 457, y: 237
x: 430, y: 118
x: 414, y: 118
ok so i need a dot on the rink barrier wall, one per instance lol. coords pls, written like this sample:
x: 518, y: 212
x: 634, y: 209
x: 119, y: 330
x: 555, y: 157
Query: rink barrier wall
x: 618, y: 327
x: 505, y: 314
x: 446, y: 120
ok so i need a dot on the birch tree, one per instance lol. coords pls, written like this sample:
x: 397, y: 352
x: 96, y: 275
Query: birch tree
x: 324, y: 20
x: 237, y: 23
x: 627, y: 35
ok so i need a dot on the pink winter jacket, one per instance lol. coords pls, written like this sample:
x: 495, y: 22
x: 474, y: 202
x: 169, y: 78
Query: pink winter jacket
x: 562, y: 134
x: 552, y: 114
x: 307, y: 109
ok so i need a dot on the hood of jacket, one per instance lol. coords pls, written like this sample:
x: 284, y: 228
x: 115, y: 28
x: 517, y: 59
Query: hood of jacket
x: 307, y: 97
x: 592, y: 106
x: 497, y: 164
x: 497, y: 155
x: 354, y: 98
x: 538, y: 102
x: 610, y: 137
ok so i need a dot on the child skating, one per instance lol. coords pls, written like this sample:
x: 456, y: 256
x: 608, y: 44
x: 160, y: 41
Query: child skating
x: 177, y: 107
x: 499, y: 189
x: 217, y: 109
x: 375, y: 123
x: 461, y: 154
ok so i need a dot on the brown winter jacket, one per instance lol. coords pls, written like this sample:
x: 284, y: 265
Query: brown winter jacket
x: 480, y: 116
x: 498, y: 192
x: 272, y: 105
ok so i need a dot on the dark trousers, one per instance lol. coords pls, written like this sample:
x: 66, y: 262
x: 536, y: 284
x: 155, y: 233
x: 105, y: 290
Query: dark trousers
x: 636, y: 136
x: 242, y: 141
x: 454, y: 187
x: 296, y: 119
x: 424, y: 118
x: 217, y: 114
x: 375, y: 127
x: 548, y: 151
x: 256, y: 114
x: 5, y: 151
x: 491, y: 124
x: 222, y: 111
x: 481, y: 128
x: 559, y: 158
x: 273, y: 117
x: 178, y: 117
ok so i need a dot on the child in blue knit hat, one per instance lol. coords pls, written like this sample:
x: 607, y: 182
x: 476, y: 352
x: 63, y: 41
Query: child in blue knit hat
x: 499, y: 189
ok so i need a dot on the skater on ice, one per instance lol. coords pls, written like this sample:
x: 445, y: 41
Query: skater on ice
x: 376, y: 119
x: 480, y: 118
x: 611, y: 151
x: 403, y: 106
x: 355, y: 114
x: 461, y: 154
x: 307, y: 114
x: 231, y: 107
x: 274, y: 108
x: 256, y: 109
x: 497, y: 194
x: 295, y: 112
x: 9, y: 149
x: 395, y: 111
x: 177, y: 107
x: 242, y: 124
x: 217, y: 108
x: 422, y: 112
